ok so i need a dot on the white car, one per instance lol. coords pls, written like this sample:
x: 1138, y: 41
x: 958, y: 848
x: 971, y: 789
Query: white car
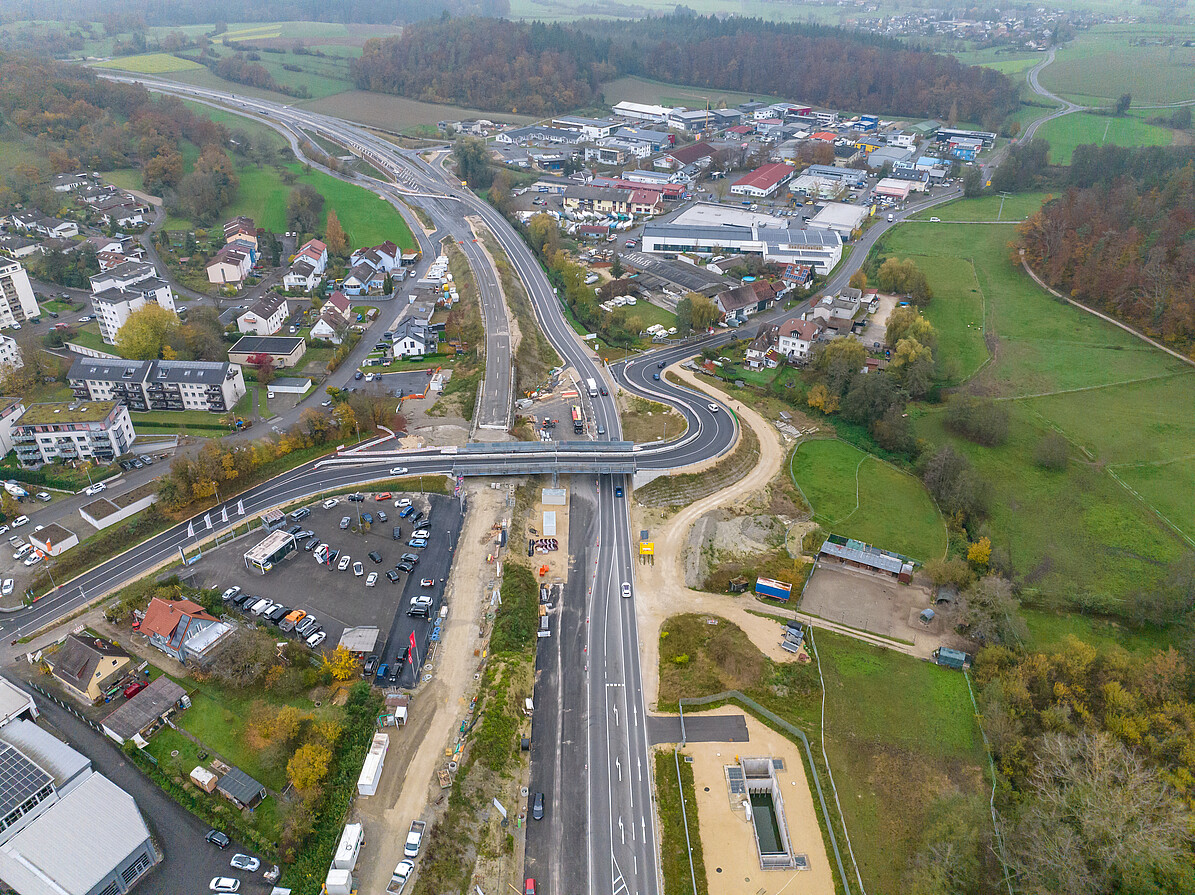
x: 8, y: 586
x: 358, y: 569
x: 402, y: 873
x: 229, y: 594
x: 421, y: 533
x: 329, y: 503
x: 398, y: 470
x: 626, y: 590
x: 87, y: 319
x: 19, y: 521
x: 32, y: 559
x: 95, y: 489
x: 225, y: 884
x: 714, y: 408
x: 3, y: 529
x: 372, y: 579
x: 264, y: 606
x: 316, y: 639
x: 44, y: 496
x: 245, y: 862
x: 344, y: 563
x: 22, y: 550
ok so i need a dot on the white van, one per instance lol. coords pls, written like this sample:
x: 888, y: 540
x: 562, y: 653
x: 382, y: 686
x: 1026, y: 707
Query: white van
x: 891, y: 218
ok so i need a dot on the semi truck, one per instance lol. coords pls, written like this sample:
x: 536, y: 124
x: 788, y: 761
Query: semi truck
x: 578, y: 420
x: 414, y: 838
x: 593, y: 389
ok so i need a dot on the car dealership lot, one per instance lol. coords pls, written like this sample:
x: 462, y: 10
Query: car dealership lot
x: 340, y: 599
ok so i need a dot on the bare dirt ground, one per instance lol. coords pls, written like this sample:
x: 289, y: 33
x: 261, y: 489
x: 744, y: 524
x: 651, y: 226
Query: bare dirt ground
x: 408, y: 785
x: 878, y: 604
x: 727, y: 838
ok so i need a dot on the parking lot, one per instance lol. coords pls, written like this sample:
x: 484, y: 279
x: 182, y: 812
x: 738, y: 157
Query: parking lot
x: 339, y: 598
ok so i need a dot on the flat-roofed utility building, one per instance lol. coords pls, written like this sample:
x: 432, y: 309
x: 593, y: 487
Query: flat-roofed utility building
x: 272, y: 549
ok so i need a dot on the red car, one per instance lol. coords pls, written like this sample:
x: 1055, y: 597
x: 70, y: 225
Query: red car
x: 385, y: 495
x: 133, y: 689
x: 529, y: 887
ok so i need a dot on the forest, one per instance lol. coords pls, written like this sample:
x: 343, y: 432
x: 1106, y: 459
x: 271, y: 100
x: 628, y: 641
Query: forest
x: 539, y: 69
x: 1124, y: 247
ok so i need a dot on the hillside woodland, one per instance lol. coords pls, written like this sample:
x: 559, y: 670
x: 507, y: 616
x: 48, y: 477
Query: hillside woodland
x: 1124, y: 247
x: 539, y: 69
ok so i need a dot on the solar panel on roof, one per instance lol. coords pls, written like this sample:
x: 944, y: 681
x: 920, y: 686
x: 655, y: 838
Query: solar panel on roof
x: 20, y: 778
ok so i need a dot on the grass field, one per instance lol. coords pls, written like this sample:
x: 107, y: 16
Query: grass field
x: 233, y: 121
x: 857, y: 495
x: 397, y: 113
x: 1065, y: 133
x: 1102, y: 64
x: 150, y: 64
x: 902, y: 740
x: 1078, y: 535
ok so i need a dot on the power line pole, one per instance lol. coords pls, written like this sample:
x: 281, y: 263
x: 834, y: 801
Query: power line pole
x: 1000, y: 213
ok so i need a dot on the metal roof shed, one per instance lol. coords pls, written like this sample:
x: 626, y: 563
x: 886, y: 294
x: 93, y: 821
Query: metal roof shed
x: 144, y: 709
x: 241, y: 789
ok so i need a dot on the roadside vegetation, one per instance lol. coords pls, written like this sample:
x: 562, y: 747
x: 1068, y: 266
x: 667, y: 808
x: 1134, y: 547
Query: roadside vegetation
x: 644, y: 420
x: 464, y: 323
x: 674, y: 847
x: 681, y: 489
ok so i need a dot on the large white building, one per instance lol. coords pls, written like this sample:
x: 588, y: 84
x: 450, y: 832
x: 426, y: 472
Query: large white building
x: 821, y: 249
x: 159, y: 384
x: 118, y: 292
x: 840, y: 217
x: 81, y: 430
x: 10, y: 355
x: 17, y: 301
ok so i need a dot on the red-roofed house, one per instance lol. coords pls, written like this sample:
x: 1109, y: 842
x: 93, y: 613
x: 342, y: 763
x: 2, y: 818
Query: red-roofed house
x: 763, y: 181
x: 827, y: 136
x: 340, y: 302
x: 182, y: 629
x: 646, y: 202
x: 741, y: 130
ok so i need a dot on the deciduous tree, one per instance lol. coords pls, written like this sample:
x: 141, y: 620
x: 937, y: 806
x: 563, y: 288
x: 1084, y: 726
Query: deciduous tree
x: 146, y: 332
x: 308, y: 767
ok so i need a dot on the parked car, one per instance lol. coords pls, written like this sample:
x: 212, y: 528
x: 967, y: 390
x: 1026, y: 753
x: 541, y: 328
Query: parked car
x: 218, y: 839
x: 371, y: 664
x: 537, y: 806
x: 404, y: 567
x: 329, y: 503
x: 314, y: 640
x: 403, y: 502
x: 10, y: 584
x: 382, y: 669
x: 95, y: 489
x: 427, y: 582
x: 344, y: 563
x: 33, y: 558
x: 375, y: 556
x: 384, y: 495
x: 225, y: 884
x: 298, y: 515
x: 134, y: 688
x: 44, y: 496
x: 372, y: 579
x: 367, y: 518
x: 356, y: 498
x: 420, y: 605
x: 417, y: 543
x: 344, y: 522
x: 277, y: 614
x: 406, y: 512
x: 409, y: 557
x: 382, y: 517
x: 21, y: 551
x: 421, y: 533
x: 245, y: 862
x: 230, y: 593
x: 390, y: 573
x: 358, y: 568
x: 19, y: 521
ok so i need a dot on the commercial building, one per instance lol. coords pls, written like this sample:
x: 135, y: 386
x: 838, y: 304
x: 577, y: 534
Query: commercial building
x: 82, y: 430
x: 17, y: 301
x: 858, y: 555
x: 818, y: 181
x: 892, y: 188
x: 950, y: 134
x: 159, y: 384
x: 64, y: 829
x: 272, y: 549
x: 642, y: 112
x: 119, y: 291
x: 284, y: 351
x: 589, y: 128
x: 840, y: 217
x: 265, y: 316
x: 820, y: 249
x: 87, y: 666
x: 53, y: 539
x: 764, y: 181
x: 539, y: 133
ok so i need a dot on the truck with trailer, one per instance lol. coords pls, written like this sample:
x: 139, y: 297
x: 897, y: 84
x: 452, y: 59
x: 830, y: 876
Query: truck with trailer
x: 578, y: 420
x: 414, y: 838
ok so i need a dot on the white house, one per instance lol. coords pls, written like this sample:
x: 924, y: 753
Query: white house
x: 414, y: 339
x: 17, y: 300
x: 121, y: 290
x: 843, y: 306
x: 329, y: 327
x: 266, y: 316
x: 10, y: 355
x: 795, y: 337
x: 308, y: 266
x: 82, y: 430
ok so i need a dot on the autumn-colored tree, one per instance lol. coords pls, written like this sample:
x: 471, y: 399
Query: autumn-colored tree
x: 263, y: 366
x: 858, y: 280
x: 979, y: 554
x: 308, y: 767
x: 335, y: 237
x: 146, y: 332
x: 819, y: 398
x: 341, y: 663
